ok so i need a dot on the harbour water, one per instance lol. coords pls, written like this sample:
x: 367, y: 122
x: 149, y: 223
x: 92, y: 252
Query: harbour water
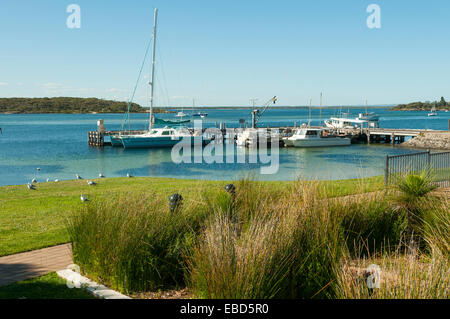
x: 57, y: 144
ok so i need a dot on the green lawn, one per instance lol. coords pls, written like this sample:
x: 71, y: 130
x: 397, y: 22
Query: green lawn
x: 33, y: 219
x: 49, y: 286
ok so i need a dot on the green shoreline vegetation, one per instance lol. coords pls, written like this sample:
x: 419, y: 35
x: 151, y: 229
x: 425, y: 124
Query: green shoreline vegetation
x: 36, y: 219
x: 76, y: 105
x: 68, y: 105
x: 264, y: 242
x: 423, y: 106
x: 293, y: 239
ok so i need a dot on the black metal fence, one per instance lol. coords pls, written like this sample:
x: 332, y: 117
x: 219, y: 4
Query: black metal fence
x: 435, y: 165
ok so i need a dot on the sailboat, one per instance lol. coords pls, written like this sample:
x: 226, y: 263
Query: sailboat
x: 158, y: 137
x: 433, y: 111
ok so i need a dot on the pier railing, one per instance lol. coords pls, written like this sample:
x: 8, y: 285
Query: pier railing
x: 435, y: 165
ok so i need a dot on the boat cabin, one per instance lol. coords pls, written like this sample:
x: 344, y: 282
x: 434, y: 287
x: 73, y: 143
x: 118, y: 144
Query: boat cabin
x: 163, y: 132
x: 310, y: 133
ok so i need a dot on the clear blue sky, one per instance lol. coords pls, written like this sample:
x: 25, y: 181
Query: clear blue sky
x: 226, y: 52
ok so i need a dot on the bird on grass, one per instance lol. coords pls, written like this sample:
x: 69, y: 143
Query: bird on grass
x: 30, y: 186
x: 83, y: 199
x: 34, y: 180
x: 128, y: 175
x: 48, y: 180
x: 91, y: 183
x: 101, y: 175
x: 56, y: 180
x: 78, y: 176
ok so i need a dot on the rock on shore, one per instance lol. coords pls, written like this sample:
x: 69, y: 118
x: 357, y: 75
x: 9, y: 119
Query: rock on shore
x: 430, y: 140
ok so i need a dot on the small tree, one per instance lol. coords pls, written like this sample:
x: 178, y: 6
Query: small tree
x: 443, y: 102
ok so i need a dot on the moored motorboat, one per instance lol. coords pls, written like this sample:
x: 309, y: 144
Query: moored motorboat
x: 201, y: 114
x: 260, y: 137
x: 181, y: 114
x: 315, y: 137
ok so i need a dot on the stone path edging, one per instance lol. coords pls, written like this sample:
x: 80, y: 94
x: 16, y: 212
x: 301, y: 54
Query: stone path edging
x: 99, y: 291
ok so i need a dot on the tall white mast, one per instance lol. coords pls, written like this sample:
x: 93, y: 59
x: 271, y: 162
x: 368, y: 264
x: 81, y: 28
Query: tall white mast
x: 309, y: 120
x: 152, y: 74
x: 320, y: 117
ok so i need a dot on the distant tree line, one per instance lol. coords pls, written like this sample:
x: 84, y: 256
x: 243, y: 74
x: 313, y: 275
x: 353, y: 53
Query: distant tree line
x: 425, y: 106
x: 69, y: 105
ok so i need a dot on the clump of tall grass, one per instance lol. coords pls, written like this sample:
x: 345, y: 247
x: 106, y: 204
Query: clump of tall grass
x: 411, y: 271
x: 134, y: 243
x: 402, y: 275
x: 267, y: 248
x: 414, y: 201
x: 436, y: 227
x: 370, y: 223
x: 415, y: 186
x: 260, y: 242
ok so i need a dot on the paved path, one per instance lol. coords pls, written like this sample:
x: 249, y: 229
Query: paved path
x: 34, y: 263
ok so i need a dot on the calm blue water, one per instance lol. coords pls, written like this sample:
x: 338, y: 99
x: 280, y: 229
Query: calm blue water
x: 58, y: 145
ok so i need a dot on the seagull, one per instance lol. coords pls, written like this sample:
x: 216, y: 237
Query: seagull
x: 56, y: 180
x: 101, y: 175
x: 34, y: 180
x: 83, y: 199
x: 128, y: 175
x: 91, y: 183
x: 30, y: 186
x: 38, y: 168
x: 48, y: 180
x: 78, y: 176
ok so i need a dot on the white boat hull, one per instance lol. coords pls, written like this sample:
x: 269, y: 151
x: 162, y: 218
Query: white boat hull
x: 287, y: 142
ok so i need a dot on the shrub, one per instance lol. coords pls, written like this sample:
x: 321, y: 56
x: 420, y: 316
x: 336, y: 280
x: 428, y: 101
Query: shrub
x: 133, y: 243
x: 415, y: 186
x: 268, y: 249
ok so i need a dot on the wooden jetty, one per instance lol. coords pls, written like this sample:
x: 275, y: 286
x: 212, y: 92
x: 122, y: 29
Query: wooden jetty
x: 391, y: 136
x: 357, y: 135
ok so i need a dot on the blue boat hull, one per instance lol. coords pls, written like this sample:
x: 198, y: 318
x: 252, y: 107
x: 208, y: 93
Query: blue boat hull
x: 116, y: 141
x: 157, y: 142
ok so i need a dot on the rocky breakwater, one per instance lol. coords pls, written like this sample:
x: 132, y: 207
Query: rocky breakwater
x: 430, y: 140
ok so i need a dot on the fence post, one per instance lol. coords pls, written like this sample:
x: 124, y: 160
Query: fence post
x: 429, y: 164
x: 386, y: 171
